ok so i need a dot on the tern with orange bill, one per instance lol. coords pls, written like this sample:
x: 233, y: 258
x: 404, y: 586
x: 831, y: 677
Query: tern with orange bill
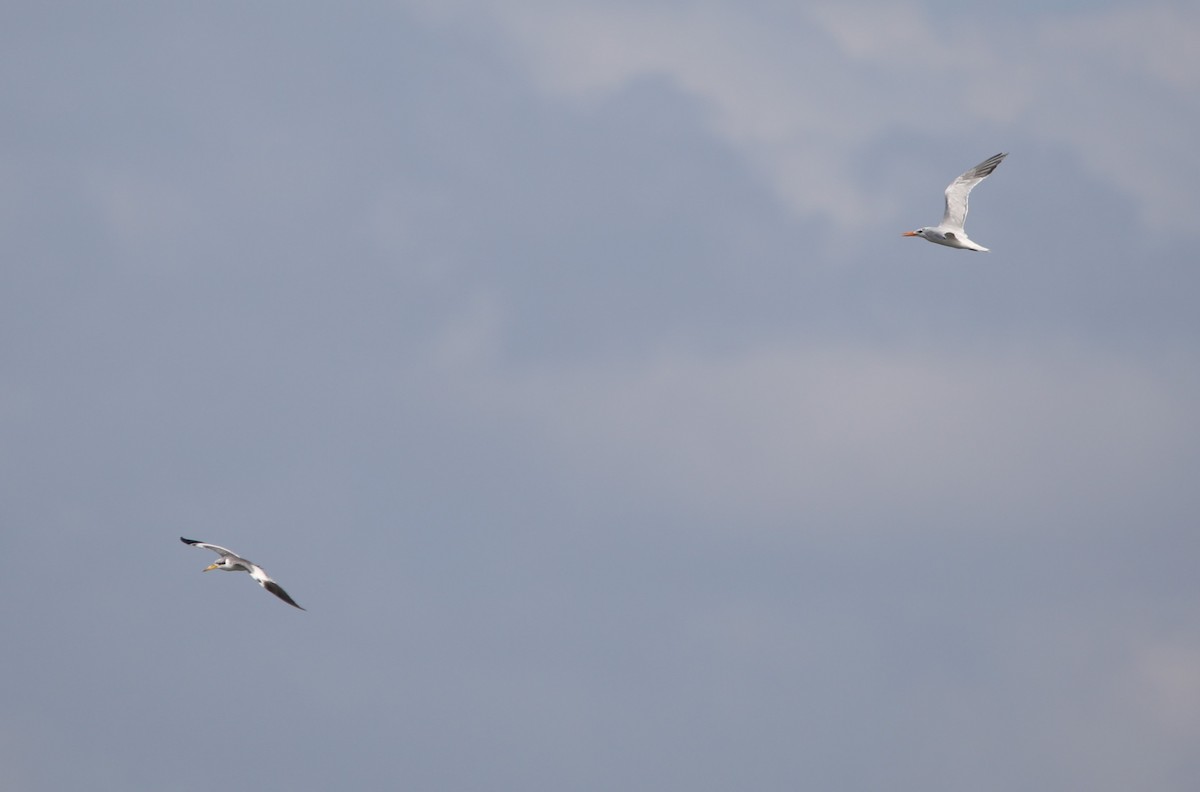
x: 950, y: 233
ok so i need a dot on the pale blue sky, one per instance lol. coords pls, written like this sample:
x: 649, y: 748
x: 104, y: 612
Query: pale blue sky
x: 566, y: 362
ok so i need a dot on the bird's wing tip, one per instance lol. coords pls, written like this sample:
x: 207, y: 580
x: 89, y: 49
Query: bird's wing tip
x: 277, y: 590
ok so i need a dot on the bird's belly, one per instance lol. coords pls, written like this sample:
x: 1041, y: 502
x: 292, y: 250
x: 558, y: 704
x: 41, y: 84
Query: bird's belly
x: 952, y: 239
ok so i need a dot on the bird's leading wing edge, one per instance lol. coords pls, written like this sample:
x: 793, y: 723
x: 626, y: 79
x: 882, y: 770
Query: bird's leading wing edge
x: 207, y: 546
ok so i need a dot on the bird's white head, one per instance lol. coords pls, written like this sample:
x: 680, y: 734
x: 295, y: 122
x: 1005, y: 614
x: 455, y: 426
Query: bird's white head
x: 919, y: 232
x: 220, y: 563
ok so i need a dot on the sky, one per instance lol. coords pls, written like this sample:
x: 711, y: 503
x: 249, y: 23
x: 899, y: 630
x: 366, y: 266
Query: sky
x: 564, y: 360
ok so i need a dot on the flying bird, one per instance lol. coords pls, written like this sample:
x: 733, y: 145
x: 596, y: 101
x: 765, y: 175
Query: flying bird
x: 231, y: 562
x: 950, y: 233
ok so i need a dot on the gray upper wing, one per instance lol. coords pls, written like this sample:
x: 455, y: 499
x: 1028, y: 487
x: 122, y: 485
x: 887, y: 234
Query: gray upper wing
x: 957, y: 193
x: 207, y: 546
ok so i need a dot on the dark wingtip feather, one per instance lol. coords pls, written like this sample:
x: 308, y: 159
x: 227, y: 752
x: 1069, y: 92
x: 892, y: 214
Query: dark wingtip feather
x: 990, y: 164
x: 189, y: 541
x: 278, y: 591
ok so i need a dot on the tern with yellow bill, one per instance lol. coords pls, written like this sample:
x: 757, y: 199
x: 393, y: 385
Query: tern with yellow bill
x: 231, y: 562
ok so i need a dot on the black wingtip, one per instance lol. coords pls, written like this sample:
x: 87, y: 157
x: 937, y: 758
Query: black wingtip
x: 188, y: 541
x: 278, y: 591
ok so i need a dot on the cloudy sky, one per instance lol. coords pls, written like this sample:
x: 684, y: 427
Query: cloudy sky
x: 565, y: 360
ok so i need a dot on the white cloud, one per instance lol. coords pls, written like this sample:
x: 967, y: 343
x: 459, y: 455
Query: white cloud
x: 804, y: 94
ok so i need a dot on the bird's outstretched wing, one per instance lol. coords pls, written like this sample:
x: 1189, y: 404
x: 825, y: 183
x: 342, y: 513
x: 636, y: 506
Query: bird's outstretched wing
x: 960, y: 189
x: 264, y: 580
x: 215, y: 548
x: 278, y: 591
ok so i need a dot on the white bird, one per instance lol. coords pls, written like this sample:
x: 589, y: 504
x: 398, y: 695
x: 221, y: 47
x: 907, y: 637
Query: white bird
x: 950, y: 233
x: 231, y: 562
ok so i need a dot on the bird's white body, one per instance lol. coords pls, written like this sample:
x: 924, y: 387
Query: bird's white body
x: 950, y: 231
x: 950, y: 237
